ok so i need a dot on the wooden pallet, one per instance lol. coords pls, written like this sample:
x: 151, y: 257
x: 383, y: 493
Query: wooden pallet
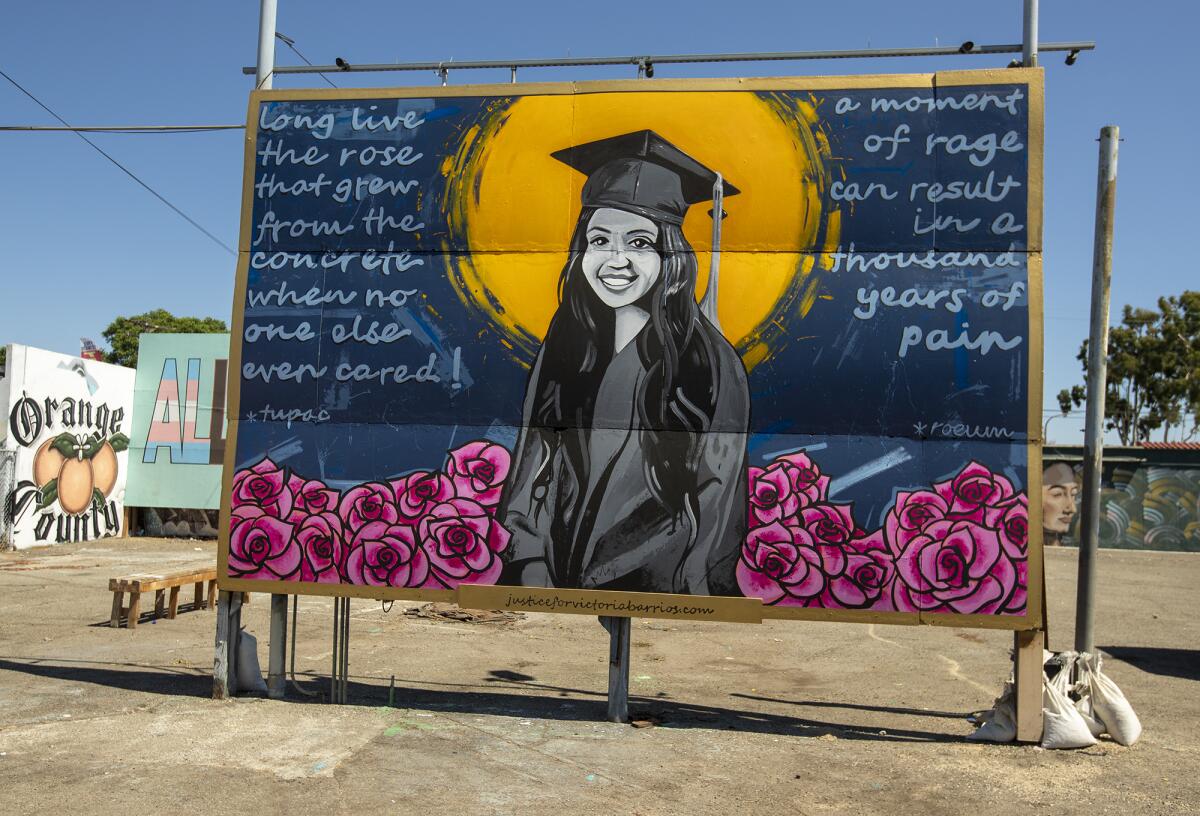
x: 135, y: 585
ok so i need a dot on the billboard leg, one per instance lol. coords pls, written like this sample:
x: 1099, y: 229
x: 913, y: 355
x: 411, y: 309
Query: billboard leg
x: 229, y: 624
x: 1027, y: 654
x: 618, y: 668
x: 277, y: 662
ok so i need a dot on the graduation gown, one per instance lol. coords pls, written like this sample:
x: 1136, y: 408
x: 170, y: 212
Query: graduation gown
x: 596, y: 525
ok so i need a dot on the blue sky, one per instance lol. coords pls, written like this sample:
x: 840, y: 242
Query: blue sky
x: 83, y: 243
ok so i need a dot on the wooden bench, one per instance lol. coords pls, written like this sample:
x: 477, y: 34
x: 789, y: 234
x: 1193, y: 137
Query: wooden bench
x: 135, y: 585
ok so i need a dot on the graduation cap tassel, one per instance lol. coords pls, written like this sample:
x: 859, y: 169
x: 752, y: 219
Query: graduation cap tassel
x: 708, y: 304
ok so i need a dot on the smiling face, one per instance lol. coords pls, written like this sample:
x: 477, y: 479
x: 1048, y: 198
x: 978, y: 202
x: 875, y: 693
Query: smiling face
x: 1058, y: 507
x: 621, y: 263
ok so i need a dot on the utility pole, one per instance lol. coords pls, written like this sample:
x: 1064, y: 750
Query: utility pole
x: 1093, y: 442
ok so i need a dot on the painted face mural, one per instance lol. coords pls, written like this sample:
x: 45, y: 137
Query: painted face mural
x: 621, y: 261
x: 765, y: 339
x: 1060, y: 495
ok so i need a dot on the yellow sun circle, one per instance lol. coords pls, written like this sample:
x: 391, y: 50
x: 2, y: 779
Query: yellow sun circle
x: 519, y: 206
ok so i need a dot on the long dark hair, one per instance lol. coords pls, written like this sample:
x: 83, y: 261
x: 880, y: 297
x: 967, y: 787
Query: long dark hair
x: 675, y: 401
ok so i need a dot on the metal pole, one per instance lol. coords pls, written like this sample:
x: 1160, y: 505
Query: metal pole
x: 1029, y: 40
x: 1093, y: 441
x: 264, y: 69
x: 277, y: 660
x: 229, y: 626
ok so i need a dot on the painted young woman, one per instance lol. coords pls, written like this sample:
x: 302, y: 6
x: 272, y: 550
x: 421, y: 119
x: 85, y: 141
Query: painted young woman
x: 630, y: 470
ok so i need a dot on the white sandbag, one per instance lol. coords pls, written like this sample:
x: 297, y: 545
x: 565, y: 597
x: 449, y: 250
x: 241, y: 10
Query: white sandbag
x: 1110, y: 705
x: 1086, y: 710
x: 1000, y: 724
x: 249, y: 674
x: 1063, y: 727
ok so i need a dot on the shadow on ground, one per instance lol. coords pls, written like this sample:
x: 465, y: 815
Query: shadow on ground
x: 1183, y: 663
x: 522, y: 697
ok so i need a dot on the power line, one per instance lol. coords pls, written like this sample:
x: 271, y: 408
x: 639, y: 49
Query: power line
x: 134, y: 129
x: 123, y: 168
x: 290, y: 43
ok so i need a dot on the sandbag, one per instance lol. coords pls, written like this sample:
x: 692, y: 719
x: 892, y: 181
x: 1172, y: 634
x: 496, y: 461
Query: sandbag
x: 1063, y: 727
x: 1000, y: 724
x: 1109, y: 704
x: 249, y: 674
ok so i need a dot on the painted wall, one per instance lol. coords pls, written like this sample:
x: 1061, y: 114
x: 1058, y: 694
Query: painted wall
x: 177, y: 444
x: 1152, y: 504
x: 68, y: 420
x: 839, y: 423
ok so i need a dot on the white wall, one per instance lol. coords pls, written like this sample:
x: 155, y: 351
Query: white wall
x: 84, y: 404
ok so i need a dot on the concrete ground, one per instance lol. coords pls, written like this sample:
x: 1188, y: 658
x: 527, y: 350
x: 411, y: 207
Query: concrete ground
x: 803, y: 718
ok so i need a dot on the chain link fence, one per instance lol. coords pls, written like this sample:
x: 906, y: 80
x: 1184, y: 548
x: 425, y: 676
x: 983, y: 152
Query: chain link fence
x: 8, y: 484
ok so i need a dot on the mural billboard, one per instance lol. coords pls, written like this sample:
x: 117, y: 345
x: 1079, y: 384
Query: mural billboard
x: 67, y: 418
x: 775, y: 340
x: 177, y: 444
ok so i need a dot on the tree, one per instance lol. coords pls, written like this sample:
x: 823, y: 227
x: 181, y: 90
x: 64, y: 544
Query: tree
x: 122, y: 334
x: 1153, y: 372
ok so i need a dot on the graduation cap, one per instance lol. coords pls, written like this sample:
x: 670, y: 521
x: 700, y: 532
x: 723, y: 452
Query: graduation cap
x: 643, y: 173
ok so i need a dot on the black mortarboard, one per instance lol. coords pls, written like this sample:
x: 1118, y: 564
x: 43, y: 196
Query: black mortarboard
x: 642, y: 172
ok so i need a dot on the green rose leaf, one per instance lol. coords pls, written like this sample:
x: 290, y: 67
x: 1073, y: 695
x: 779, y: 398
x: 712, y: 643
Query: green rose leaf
x: 119, y: 442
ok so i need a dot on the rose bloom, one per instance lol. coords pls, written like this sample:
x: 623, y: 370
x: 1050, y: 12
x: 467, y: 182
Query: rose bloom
x: 955, y: 566
x: 478, y: 471
x: 866, y: 582
x: 780, y: 565
x: 263, y: 486
x: 1011, y: 521
x: 312, y: 495
x: 322, y: 543
x: 974, y: 489
x: 384, y: 554
x: 463, y: 542
x: 910, y: 514
x: 830, y: 527
x: 418, y: 493
x: 261, y: 546
x: 783, y: 487
x: 367, y: 503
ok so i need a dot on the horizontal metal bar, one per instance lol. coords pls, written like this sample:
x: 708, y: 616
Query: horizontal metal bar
x: 124, y: 128
x: 665, y: 59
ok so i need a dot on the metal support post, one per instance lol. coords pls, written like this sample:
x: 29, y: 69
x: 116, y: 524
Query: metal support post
x: 229, y: 626
x: 340, y: 667
x: 1029, y: 40
x: 1097, y: 377
x: 277, y: 661
x: 264, y: 70
x: 618, y: 668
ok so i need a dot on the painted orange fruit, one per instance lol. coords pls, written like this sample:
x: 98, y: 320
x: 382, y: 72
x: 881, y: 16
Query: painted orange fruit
x: 75, y: 486
x: 47, y: 463
x: 104, y: 469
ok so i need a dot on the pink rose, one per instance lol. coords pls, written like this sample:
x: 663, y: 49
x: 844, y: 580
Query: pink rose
x: 418, y: 493
x: 462, y: 541
x: 1011, y: 520
x: 830, y: 527
x: 312, y: 495
x: 1017, y: 603
x: 780, y: 565
x: 261, y: 546
x: 910, y: 514
x: 264, y: 486
x: 367, y: 503
x: 955, y: 566
x: 783, y: 487
x: 478, y: 470
x: 323, y: 545
x: 973, y: 490
x: 385, y: 554
x: 866, y: 581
